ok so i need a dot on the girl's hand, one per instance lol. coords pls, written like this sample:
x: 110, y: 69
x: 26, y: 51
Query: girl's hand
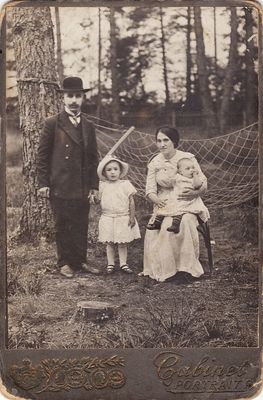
x: 131, y: 222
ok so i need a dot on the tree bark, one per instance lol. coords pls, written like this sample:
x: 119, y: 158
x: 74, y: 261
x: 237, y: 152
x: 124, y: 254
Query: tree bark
x: 60, y: 67
x: 251, y: 77
x: 114, y: 70
x: 206, y: 98
x: 38, y: 99
x: 165, y: 73
x: 230, y: 71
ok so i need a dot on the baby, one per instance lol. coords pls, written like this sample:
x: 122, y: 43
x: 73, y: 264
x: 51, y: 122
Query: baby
x: 187, y: 177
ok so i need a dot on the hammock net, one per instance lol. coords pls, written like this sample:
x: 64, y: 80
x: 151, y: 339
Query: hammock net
x: 230, y: 162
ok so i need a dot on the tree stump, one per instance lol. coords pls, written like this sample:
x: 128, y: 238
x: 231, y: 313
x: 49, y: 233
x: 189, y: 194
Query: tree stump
x: 96, y: 311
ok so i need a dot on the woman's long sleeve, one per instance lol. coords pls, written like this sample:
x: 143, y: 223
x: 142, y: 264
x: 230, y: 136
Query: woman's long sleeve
x: 151, y: 184
x: 202, y: 176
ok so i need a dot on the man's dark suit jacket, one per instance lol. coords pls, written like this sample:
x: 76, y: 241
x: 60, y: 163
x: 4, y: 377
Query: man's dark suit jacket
x: 66, y: 164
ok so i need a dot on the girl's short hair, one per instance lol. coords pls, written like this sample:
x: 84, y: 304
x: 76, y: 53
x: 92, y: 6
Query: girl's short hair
x: 171, y: 132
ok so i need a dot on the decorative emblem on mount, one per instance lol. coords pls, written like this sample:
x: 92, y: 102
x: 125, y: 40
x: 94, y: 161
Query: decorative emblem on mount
x: 67, y: 374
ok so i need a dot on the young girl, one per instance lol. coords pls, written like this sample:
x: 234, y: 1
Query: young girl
x: 117, y: 224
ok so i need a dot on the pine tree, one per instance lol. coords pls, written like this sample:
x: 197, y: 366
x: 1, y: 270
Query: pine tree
x: 202, y: 70
x: 38, y: 99
x: 114, y: 70
x: 229, y: 72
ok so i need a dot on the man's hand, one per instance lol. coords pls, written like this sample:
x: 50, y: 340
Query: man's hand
x: 44, y: 192
x: 94, y: 196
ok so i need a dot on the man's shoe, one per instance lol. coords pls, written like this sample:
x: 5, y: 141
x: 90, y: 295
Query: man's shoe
x: 88, y: 268
x: 67, y: 271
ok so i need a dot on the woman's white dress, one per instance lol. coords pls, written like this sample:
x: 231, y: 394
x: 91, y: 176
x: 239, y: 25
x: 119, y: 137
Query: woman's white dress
x: 114, y: 221
x: 166, y: 253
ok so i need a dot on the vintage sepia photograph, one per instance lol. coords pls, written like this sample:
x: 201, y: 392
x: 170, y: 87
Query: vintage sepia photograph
x: 132, y: 178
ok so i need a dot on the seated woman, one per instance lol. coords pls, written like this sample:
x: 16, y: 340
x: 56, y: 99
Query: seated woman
x: 165, y: 253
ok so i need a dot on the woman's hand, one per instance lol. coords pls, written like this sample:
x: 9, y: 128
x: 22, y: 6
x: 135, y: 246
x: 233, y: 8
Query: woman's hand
x: 161, y: 203
x: 155, y: 200
x: 190, y: 194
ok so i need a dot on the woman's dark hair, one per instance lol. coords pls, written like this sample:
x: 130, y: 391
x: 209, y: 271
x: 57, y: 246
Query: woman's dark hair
x: 170, y: 132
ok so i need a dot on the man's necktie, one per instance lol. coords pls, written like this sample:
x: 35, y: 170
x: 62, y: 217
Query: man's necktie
x: 74, y: 119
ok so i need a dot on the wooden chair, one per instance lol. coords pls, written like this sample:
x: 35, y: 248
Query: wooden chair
x: 203, y: 228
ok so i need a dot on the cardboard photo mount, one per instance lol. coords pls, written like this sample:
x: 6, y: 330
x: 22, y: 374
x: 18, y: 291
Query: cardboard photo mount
x: 126, y: 373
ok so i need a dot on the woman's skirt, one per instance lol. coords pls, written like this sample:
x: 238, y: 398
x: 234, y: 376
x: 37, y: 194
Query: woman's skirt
x: 166, y: 253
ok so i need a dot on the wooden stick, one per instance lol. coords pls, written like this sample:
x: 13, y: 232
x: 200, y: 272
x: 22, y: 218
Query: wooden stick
x: 117, y: 144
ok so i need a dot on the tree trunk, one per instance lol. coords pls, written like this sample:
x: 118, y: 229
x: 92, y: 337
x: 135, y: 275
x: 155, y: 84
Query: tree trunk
x: 99, y: 66
x: 206, y: 98
x: 38, y: 99
x: 114, y: 70
x: 251, y: 77
x: 188, y: 56
x: 215, y: 62
x: 165, y: 74
x: 60, y: 67
x: 230, y: 71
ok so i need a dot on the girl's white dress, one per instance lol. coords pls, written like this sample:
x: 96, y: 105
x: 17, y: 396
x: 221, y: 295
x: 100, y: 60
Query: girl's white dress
x: 113, y: 223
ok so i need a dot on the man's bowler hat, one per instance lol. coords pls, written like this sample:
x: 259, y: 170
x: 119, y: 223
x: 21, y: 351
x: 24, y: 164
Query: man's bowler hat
x: 72, y: 84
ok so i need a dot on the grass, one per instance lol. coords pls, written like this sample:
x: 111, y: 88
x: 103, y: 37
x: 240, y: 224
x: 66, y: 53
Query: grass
x: 220, y: 310
x: 217, y: 311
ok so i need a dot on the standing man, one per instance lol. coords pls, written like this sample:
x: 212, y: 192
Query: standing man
x: 67, y: 173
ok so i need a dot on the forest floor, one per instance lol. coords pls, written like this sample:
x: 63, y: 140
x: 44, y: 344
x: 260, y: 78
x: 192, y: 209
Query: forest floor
x: 219, y: 310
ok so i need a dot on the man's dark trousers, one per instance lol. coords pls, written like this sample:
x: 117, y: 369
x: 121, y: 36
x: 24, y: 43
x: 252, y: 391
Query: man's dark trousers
x: 71, y: 228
